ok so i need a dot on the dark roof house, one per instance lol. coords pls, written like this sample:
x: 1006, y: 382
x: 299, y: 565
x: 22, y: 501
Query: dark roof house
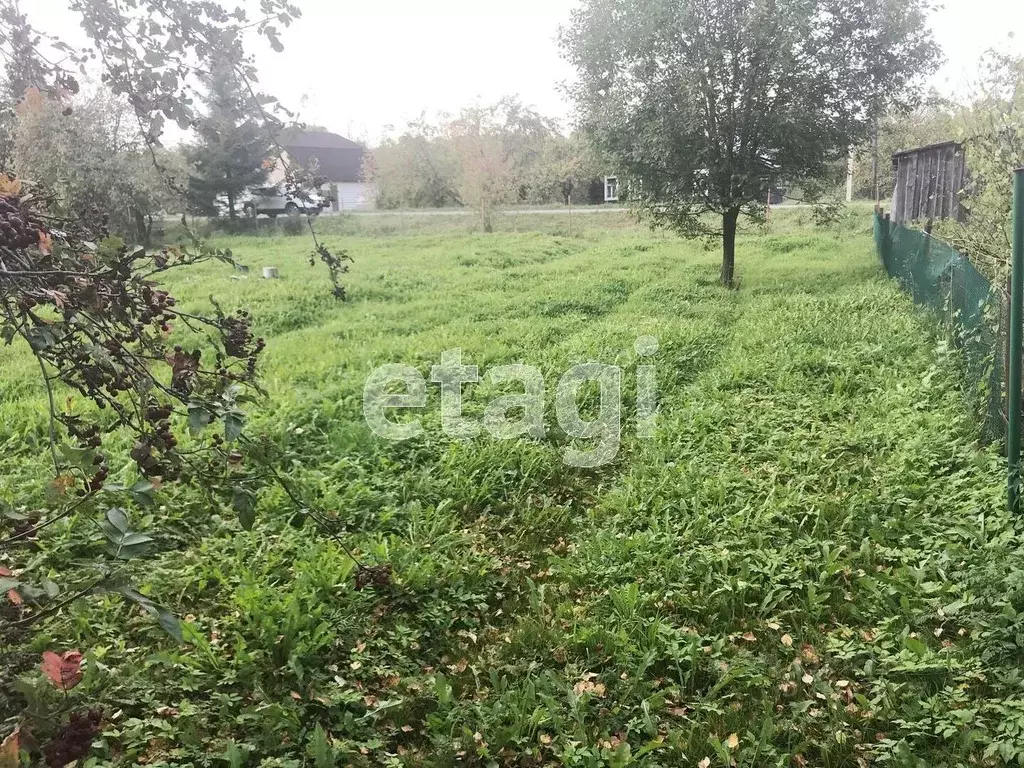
x: 339, y: 159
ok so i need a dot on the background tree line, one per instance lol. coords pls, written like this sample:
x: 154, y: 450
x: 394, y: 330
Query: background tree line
x: 90, y: 152
x: 482, y: 158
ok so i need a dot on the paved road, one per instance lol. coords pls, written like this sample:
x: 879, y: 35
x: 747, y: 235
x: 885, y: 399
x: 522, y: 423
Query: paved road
x: 587, y: 209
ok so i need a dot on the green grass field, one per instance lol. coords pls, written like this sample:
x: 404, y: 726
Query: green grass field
x: 809, y: 564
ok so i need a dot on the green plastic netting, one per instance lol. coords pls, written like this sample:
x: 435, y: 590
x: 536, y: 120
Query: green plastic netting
x: 969, y: 306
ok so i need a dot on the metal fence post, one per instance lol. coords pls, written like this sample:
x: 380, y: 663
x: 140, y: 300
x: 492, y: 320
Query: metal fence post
x: 1016, y: 340
x: 887, y: 241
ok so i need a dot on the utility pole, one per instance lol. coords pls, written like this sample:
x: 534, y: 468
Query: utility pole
x: 849, y: 177
x: 874, y: 158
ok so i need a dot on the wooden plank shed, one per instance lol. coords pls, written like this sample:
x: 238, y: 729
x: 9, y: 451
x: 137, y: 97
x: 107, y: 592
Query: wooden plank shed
x: 927, y: 182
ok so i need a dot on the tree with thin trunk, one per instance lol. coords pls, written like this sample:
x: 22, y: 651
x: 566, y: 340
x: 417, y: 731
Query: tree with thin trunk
x: 704, y: 104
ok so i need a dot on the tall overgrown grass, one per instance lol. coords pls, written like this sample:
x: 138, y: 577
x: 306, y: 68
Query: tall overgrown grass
x: 809, y: 563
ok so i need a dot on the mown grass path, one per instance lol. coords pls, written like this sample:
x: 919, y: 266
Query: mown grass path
x: 808, y: 564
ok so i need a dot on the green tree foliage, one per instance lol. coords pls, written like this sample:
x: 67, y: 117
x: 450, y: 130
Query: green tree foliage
x: 931, y: 121
x: 484, y: 157
x: 991, y: 126
x: 564, y: 169
x: 414, y: 170
x: 89, y: 153
x: 707, y: 102
x: 493, y: 146
x: 234, y: 144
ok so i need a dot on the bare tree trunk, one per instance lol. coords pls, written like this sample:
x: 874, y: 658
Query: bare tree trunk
x: 143, y: 230
x: 729, y: 219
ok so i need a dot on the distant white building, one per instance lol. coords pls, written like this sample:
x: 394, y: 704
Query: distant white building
x: 336, y: 158
x: 611, y: 189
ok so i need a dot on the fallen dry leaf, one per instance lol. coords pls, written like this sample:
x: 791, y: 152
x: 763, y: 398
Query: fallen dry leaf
x: 809, y: 653
x: 62, y: 483
x: 12, y: 594
x: 733, y: 741
x: 9, y: 187
x: 45, y: 243
x: 787, y: 641
x: 9, y: 750
x: 64, y: 671
x: 808, y: 679
x: 585, y: 686
x: 704, y: 763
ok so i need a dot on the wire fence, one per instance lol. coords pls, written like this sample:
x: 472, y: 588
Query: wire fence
x: 972, y: 309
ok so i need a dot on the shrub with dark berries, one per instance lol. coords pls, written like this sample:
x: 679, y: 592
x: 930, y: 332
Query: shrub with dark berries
x: 73, y: 741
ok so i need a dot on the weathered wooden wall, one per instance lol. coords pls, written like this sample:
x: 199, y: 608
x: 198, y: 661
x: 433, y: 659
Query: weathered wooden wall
x: 927, y: 183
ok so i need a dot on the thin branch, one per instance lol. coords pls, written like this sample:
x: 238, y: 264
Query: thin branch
x: 48, y: 522
x: 30, y: 620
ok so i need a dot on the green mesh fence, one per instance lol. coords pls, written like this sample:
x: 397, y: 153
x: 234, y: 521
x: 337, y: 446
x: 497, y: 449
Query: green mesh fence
x: 969, y: 306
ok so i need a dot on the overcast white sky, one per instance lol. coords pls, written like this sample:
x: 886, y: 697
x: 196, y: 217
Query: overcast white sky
x: 357, y: 66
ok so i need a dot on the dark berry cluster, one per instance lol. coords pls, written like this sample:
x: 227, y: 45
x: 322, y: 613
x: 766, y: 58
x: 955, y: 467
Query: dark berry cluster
x: 237, y: 335
x: 157, y: 309
x: 88, y: 437
x: 96, y: 221
x: 73, y: 741
x: 153, y: 453
x: 239, y: 343
x: 376, y: 576
x: 17, y: 231
x: 149, y: 447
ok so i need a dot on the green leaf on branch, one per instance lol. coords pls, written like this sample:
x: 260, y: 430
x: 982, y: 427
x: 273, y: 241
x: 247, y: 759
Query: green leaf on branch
x: 109, y: 249
x: 143, y: 492
x: 244, y: 503
x: 118, y: 518
x: 170, y: 623
x: 234, y: 422
x: 123, y: 543
x: 40, y: 338
x: 198, y: 418
x: 77, y: 457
